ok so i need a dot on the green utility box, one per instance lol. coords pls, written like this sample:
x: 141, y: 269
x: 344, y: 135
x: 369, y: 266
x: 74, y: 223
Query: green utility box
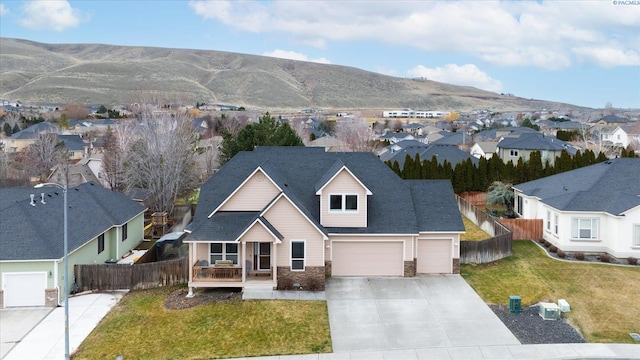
x: 514, y: 304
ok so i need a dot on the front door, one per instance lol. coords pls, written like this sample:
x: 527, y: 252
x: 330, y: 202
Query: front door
x: 262, y: 253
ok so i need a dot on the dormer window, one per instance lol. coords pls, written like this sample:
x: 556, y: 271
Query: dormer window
x: 343, y: 203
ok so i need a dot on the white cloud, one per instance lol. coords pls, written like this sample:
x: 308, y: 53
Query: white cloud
x: 465, y: 75
x: 523, y: 33
x: 3, y: 10
x: 292, y: 55
x: 51, y: 15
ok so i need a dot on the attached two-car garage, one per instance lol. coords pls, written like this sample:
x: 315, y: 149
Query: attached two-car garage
x: 367, y: 258
x: 385, y: 258
x: 24, y: 289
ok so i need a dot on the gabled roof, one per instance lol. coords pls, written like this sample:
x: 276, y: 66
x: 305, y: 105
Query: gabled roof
x: 298, y: 171
x: 534, y: 141
x: 228, y: 226
x: 436, y: 207
x: 33, y: 131
x: 450, y: 153
x: 333, y: 171
x: 36, y: 232
x: 611, y: 186
x: 612, y: 119
x: 72, y: 142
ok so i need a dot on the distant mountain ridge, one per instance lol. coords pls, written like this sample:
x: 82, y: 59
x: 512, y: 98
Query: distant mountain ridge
x: 38, y: 73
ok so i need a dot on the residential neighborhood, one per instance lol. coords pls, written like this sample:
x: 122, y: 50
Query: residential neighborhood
x: 306, y: 205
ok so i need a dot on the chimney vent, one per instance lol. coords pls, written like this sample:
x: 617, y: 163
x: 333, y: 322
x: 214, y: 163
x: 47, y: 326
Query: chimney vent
x: 33, y: 202
x: 42, y: 198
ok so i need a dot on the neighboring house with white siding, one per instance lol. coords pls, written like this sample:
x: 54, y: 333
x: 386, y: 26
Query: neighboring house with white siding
x: 289, y: 216
x: 593, y: 209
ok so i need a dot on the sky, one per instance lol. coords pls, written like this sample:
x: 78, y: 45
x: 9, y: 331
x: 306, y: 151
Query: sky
x: 584, y: 53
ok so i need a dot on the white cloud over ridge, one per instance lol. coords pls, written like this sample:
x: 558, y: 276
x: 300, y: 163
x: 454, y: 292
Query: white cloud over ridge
x: 464, y: 75
x: 3, y: 10
x: 549, y: 34
x: 292, y: 55
x: 51, y: 15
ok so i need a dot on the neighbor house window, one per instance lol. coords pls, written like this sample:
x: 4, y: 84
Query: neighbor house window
x: 100, y: 243
x: 548, y: 220
x: 297, y: 254
x: 513, y: 152
x: 636, y: 235
x: 124, y: 232
x: 520, y: 207
x: 343, y: 203
x: 555, y: 224
x: 224, y: 251
x: 582, y: 228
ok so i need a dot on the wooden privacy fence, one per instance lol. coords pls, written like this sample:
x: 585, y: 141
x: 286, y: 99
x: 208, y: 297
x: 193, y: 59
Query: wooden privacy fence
x: 524, y: 229
x: 475, y: 198
x: 495, y: 248
x: 133, y: 277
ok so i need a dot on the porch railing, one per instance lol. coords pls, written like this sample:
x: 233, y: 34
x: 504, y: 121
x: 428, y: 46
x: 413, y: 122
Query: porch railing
x: 216, y: 273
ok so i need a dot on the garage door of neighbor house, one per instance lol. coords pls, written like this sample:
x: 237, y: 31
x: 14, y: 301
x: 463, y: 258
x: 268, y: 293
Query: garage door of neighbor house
x: 434, y: 256
x: 372, y: 258
x: 24, y: 289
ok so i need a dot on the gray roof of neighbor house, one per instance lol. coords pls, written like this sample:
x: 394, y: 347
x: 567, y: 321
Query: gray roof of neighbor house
x: 535, y: 141
x: 33, y: 131
x: 450, y: 153
x: 612, y: 186
x: 31, y: 232
x: 72, y: 142
x: 299, y: 170
x: 612, y: 119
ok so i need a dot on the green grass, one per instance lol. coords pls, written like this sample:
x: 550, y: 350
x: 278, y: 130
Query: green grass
x: 473, y: 232
x: 604, y: 299
x: 139, y: 327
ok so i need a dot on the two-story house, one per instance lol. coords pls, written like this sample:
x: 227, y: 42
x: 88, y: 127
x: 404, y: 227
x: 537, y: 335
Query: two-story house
x: 294, y: 215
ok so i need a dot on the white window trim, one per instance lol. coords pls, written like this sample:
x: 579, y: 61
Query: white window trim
x: 224, y: 252
x: 593, y: 237
x: 514, y: 153
x: 344, y: 204
x: 548, y: 222
x: 556, y: 225
x: 304, y: 259
x: 635, y: 241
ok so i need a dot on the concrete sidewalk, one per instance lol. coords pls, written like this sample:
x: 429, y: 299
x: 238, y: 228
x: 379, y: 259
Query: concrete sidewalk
x: 46, y: 339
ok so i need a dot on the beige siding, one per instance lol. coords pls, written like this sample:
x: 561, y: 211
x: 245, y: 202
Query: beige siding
x: 202, y: 251
x: 254, y: 194
x: 257, y: 233
x: 434, y: 256
x: 343, y: 183
x: 454, y: 237
x: 291, y: 224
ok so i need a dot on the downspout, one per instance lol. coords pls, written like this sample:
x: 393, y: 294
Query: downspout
x: 56, y: 283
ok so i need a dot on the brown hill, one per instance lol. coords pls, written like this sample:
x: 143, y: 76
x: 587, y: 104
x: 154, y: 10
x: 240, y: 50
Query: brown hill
x: 40, y: 73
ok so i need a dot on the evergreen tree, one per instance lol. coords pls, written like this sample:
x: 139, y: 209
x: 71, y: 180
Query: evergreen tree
x: 407, y: 167
x: 535, y: 169
x: 396, y: 168
x: 16, y: 128
x: 7, y: 129
x: 266, y: 132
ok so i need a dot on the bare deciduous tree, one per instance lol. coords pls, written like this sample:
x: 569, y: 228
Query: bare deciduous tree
x: 12, y: 118
x: 41, y: 156
x: 161, y: 158
x: 77, y: 111
x: 231, y: 125
x: 355, y: 133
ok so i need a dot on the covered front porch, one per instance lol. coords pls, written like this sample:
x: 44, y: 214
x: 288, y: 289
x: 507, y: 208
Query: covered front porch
x: 233, y: 264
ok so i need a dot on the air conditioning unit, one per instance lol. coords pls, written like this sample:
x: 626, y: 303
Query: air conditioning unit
x: 564, y: 305
x: 549, y: 311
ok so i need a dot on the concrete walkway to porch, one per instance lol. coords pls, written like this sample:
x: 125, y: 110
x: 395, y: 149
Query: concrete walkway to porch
x: 265, y: 293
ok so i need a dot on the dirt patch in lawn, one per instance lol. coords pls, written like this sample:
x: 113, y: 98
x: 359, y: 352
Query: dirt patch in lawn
x: 178, y: 300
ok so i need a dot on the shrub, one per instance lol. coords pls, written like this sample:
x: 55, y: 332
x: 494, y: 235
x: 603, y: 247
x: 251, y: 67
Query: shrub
x: 579, y: 255
x: 632, y: 261
x: 605, y: 257
x: 314, y: 284
x: 546, y: 243
x: 285, y: 284
x: 553, y: 249
x: 541, y: 241
x: 561, y: 254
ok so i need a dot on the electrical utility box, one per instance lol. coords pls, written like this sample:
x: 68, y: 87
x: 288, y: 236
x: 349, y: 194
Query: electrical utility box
x: 515, y: 304
x: 564, y: 305
x: 549, y: 311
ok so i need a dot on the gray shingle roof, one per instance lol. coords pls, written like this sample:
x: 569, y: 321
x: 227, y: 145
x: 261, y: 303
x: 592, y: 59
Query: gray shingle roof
x: 299, y: 169
x: 436, y: 206
x: 534, y: 141
x: 612, y: 186
x: 36, y: 232
x: 450, y: 153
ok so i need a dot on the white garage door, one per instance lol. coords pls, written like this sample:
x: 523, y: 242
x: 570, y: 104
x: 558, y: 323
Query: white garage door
x: 434, y: 256
x: 367, y: 259
x: 24, y: 289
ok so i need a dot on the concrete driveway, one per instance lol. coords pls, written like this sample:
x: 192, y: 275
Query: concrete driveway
x: 433, y: 311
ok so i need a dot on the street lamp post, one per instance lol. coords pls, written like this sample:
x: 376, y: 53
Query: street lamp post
x: 66, y: 265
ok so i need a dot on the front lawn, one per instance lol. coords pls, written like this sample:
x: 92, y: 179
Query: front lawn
x: 604, y: 299
x: 140, y: 327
